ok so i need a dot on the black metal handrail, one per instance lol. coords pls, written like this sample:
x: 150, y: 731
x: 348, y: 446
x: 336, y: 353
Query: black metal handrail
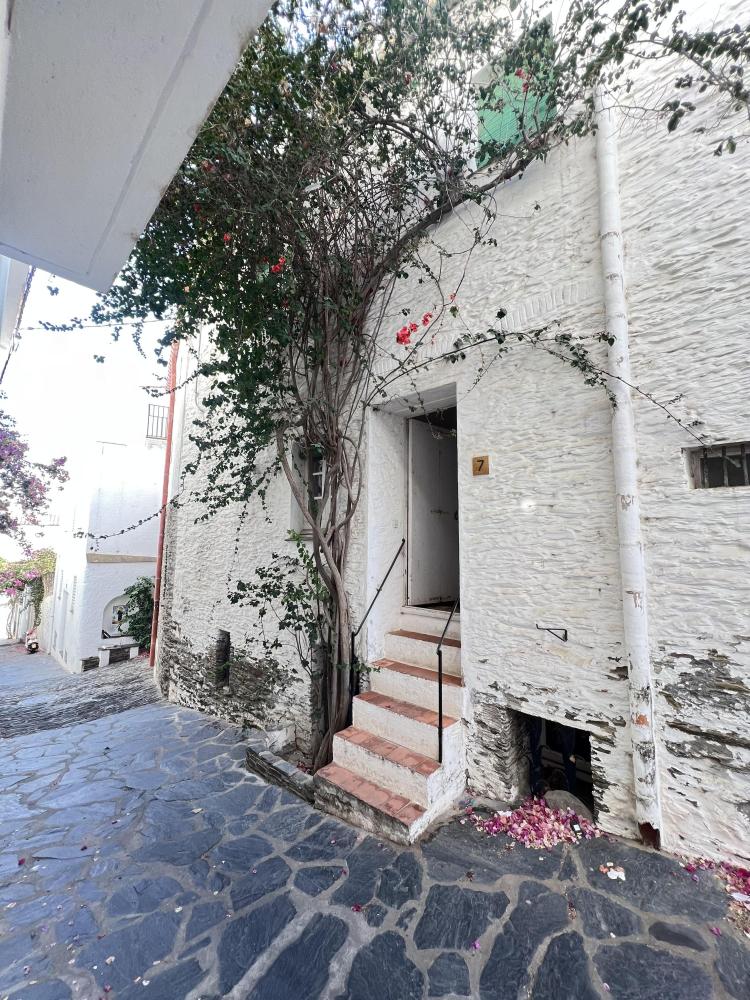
x: 440, y: 681
x: 355, y: 632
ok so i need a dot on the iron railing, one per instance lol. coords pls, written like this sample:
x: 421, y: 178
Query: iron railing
x: 440, y: 681
x: 353, y: 676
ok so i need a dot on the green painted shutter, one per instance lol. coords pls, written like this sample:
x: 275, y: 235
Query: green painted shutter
x: 501, y: 117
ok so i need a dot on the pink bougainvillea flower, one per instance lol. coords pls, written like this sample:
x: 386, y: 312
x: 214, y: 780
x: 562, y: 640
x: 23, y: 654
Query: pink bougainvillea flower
x: 227, y: 237
x: 476, y: 946
x: 716, y: 931
x: 357, y: 908
x: 403, y: 336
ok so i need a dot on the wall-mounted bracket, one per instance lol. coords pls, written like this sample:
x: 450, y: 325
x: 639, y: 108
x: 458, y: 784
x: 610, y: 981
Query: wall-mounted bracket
x: 559, y: 633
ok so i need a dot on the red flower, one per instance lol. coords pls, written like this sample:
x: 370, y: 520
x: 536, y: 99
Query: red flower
x: 403, y: 336
x: 21, y: 861
x: 282, y: 261
x: 452, y: 296
x: 275, y: 268
x: 227, y: 238
x: 413, y: 327
x: 426, y: 319
x: 520, y: 74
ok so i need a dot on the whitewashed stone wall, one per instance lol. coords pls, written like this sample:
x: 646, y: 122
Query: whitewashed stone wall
x: 203, y: 562
x: 685, y: 217
x: 538, y: 536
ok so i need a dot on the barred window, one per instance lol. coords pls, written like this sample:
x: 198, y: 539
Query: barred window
x: 720, y: 465
x: 156, y: 427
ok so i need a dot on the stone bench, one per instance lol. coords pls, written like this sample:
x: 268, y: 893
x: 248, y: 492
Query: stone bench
x: 105, y: 652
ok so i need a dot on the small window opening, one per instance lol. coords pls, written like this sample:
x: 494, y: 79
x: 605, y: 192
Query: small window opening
x: 223, y: 654
x: 317, y: 475
x: 723, y: 465
x: 156, y: 425
x: 559, y: 759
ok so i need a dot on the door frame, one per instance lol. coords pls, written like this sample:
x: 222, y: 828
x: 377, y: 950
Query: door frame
x: 435, y: 407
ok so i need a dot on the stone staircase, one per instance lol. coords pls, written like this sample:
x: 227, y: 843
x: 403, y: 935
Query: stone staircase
x: 385, y: 775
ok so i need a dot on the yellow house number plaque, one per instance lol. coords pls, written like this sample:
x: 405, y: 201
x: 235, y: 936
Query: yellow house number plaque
x: 480, y: 465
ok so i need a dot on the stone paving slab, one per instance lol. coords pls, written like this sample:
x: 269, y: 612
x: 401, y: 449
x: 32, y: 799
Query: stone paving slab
x: 151, y: 856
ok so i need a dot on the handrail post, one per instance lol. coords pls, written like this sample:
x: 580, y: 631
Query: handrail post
x: 355, y: 632
x: 440, y: 681
x: 440, y: 705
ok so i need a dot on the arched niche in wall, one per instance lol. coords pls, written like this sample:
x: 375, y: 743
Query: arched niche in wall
x: 114, y: 620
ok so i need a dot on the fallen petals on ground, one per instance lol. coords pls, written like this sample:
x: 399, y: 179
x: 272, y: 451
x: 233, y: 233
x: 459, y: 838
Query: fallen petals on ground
x: 535, y: 824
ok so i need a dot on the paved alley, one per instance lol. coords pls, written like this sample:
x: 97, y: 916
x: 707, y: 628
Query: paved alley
x: 139, y: 859
x: 36, y: 693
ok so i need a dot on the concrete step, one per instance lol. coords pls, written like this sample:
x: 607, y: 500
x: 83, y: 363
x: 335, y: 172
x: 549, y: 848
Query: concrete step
x: 429, y: 620
x: 420, y: 648
x: 418, y: 685
x: 389, y: 765
x: 407, y: 725
x: 347, y: 795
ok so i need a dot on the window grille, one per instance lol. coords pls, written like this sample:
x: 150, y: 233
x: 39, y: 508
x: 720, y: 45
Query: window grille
x: 156, y: 427
x: 317, y: 476
x: 724, y: 465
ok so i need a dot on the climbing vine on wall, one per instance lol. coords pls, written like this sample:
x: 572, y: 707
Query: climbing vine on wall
x: 139, y: 610
x: 27, y: 577
x: 315, y: 191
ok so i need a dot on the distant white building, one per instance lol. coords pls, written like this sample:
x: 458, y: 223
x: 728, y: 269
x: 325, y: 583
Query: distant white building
x: 120, y: 486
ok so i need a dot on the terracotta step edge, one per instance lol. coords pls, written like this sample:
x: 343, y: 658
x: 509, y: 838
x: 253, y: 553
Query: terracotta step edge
x: 392, y: 750
x: 369, y: 793
x: 425, y: 637
x: 424, y: 673
x: 405, y: 708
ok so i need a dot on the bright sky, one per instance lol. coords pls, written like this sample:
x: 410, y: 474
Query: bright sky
x: 63, y: 401
x: 61, y: 398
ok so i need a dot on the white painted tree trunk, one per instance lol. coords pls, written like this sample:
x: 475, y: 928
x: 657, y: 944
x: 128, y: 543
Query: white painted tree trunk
x: 632, y: 560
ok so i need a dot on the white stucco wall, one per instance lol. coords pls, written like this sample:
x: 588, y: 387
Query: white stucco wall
x: 119, y: 485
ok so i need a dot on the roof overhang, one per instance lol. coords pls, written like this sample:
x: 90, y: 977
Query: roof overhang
x: 102, y: 100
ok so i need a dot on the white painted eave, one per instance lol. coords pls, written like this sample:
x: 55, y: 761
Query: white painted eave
x: 100, y: 100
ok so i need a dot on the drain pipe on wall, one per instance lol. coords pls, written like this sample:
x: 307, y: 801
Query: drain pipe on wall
x: 171, y: 383
x: 632, y: 560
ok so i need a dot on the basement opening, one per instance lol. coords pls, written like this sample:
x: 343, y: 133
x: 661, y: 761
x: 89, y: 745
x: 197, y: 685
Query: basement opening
x: 222, y: 656
x: 559, y: 758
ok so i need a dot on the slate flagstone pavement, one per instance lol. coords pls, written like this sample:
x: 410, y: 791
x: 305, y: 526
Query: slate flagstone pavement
x: 156, y: 867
